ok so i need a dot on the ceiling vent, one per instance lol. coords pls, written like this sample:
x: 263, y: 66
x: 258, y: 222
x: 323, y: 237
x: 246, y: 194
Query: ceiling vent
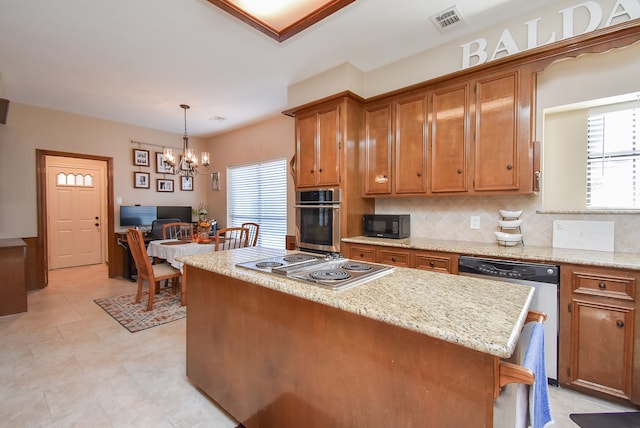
x: 448, y: 20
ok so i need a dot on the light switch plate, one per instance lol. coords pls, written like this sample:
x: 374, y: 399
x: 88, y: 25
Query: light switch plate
x: 475, y: 222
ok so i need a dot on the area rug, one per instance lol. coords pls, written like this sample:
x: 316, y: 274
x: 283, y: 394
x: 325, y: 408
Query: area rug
x: 134, y: 316
x: 607, y: 420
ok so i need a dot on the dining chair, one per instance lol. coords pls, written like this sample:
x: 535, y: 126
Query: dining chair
x: 253, y: 229
x: 152, y: 273
x: 177, y: 230
x: 156, y: 226
x: 231, y: 237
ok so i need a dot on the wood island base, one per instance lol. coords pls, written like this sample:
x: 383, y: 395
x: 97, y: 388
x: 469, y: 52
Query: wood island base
x: 275, y: 360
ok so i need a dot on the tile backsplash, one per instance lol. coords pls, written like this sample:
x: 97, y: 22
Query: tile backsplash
x: 449, y: 218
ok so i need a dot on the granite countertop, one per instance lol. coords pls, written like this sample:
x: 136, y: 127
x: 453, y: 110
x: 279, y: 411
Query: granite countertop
x: 479, y: 314
x: 519, y: 252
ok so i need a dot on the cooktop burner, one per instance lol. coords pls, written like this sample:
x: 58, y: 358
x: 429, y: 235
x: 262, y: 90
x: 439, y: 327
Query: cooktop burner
x: 358, y: 267
x: 296, y: 258
x: 269, y: 264
x: 331, y: 272
x: 330, y: 275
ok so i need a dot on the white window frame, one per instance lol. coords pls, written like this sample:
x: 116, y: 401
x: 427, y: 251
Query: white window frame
x: 613, y: 157
x: 257, y: 193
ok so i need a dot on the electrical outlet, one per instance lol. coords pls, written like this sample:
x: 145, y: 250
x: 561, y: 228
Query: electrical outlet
x: 475, y: 222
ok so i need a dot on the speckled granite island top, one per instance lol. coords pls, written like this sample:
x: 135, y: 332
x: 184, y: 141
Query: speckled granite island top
x: 483, y: 315
x: 519, y: 252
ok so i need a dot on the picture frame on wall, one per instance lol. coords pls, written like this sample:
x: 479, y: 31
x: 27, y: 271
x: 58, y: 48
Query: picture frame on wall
x: 141, y: 180
x: 140, y: 157
x: 186, y: 183
x: 215, y: 181
x: 163, y: 185
x: 161, y: 167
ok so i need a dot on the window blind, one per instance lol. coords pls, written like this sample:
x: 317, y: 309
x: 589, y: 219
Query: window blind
x: 613, y: 159
x: 258, y: 193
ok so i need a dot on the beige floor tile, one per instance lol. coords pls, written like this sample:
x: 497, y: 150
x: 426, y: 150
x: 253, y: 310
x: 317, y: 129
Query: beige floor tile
x: 66, y: 363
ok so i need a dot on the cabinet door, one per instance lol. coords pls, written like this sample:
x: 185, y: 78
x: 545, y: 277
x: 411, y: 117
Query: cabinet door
x: 411, y: 145
x: 602, y: 347
x: 394, y: 257
x: 306, y: 150
x: 364, y: 253
x: 328, y: 147
x: 450, y: 139
x: 377, y: 156
x: 496, y: 132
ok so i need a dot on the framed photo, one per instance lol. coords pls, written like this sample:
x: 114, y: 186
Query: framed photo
x: 140, y: 157
x: 215, y: 181
x: 186, y: 183
x: 141, y: 180
x: 163, y: 185
x: 184, y: 166
x: 161, y: 167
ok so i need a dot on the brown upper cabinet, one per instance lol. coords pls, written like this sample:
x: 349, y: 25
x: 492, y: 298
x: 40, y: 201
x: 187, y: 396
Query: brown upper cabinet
x: 502, y: 146
x: 318, y: 148
x: 449, y: 139
x: 474, y: 135
x: 395, y: 149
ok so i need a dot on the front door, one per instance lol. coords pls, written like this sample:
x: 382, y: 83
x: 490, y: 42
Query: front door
x: 74, y: 209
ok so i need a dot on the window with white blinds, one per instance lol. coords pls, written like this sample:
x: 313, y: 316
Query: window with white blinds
x: 258, y: 193
x: 613, y: 158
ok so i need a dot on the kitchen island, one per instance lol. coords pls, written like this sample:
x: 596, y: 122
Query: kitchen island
x: 412, y: 348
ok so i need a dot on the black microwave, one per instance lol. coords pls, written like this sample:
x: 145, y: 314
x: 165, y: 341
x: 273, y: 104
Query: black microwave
x: 395, y: 226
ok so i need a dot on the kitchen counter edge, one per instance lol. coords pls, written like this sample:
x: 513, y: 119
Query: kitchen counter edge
x: 483, y: 315
x: 519, y: 252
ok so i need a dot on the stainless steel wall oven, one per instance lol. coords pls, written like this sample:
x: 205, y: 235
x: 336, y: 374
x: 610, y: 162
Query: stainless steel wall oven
x: 318, y: 220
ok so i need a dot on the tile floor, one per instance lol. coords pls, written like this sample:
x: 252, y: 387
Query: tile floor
x: 66, y: 363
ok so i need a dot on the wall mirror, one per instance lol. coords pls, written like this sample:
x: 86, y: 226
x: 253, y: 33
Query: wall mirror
x: 569, y: 92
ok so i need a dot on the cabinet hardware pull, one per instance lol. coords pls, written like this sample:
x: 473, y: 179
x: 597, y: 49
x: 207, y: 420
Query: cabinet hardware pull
x: 509, y: 167
x: 311, y: 171
x: 393, y: 259
x: 419, y: 174
x: 459, y: 170
x: 432, y: 264
x: 619, y: 323
x: 320, y: 170
x: 602, y: 285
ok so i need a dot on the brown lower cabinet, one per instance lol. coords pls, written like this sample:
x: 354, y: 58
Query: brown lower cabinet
x: 599, y: 348
x: 271, y: 359
x: 436, y: 261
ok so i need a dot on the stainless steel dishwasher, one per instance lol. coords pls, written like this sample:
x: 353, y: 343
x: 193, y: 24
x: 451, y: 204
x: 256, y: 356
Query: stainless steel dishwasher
x: 545, y: 278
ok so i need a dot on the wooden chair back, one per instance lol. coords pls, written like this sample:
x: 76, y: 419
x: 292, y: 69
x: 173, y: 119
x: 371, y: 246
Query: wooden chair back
x: 231, y: 237
x: 177, y: 230
x: 135, y: 240
x: 253, y: 229
x: 152, y: 273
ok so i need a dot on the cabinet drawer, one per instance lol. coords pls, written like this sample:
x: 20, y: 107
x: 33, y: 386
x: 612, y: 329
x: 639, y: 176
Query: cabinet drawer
x: 365, y: 254
x: 434, y: 263
x: 618, y: 287
x: 396, y: 258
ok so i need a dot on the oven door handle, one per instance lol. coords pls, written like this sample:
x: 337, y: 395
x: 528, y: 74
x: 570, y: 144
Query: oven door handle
x: 329, y: 206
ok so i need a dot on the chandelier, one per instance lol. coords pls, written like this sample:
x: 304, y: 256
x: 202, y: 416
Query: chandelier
x: 188, y: 162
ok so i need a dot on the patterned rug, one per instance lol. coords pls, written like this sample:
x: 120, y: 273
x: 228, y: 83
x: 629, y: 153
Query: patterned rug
x: 134, y: 316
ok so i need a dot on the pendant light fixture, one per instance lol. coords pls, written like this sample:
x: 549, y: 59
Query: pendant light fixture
x: 188, y: 164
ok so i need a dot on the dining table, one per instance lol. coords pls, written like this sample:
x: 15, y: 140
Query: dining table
x: 169, y: 249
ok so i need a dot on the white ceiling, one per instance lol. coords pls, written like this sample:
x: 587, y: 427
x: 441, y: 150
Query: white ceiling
x: 136, y: 61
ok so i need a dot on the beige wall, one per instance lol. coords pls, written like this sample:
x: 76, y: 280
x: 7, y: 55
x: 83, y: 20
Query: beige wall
x: 29, y: 128
x: 269, y: 140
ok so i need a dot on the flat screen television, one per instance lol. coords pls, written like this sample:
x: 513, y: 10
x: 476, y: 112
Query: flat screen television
x: 183, y: 213
x: 137, y: 215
